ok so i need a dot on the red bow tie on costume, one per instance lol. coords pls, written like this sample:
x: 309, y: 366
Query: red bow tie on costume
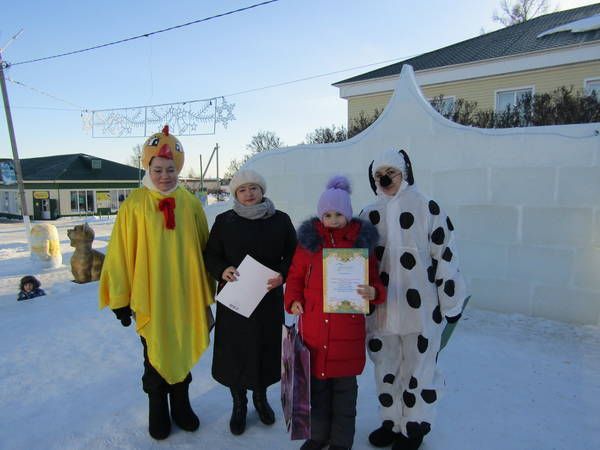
x: 167, y: 206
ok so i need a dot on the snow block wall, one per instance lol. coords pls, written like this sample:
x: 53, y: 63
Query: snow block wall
x: 525, y: 202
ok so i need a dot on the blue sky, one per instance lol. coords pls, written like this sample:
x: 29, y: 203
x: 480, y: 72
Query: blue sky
x: 276, y: 43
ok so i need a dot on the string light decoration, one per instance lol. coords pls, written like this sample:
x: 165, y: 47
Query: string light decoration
x: 191, y: 118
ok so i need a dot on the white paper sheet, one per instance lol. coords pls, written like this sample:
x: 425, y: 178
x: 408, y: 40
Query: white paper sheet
x: 244, y: 295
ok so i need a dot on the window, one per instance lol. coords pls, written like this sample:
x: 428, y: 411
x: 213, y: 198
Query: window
x: 6, y: 202
x: 117, y: 196
x: 444, y: 105
x: 82, y: 201
x: 504, y: 99
x: 592, y: 85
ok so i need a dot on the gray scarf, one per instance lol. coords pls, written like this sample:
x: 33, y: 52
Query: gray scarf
x: 262, y: 210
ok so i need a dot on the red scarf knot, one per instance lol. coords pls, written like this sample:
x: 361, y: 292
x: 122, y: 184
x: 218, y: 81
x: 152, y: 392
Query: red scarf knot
x: 167, y: 206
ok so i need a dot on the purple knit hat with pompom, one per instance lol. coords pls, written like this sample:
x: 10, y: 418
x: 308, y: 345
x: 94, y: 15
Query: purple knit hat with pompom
x: 336, y: 197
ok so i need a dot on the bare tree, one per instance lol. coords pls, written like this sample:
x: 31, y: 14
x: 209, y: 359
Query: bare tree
x: 325, y: 135
x: 134, y: 159
x: 234, y: 166
x: 362, y: 121
x: 264, y: 141
x: 519, y: 11
x: 261, y: 142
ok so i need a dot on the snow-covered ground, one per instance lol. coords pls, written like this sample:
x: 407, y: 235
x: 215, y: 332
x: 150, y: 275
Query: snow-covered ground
x: 70, y: 376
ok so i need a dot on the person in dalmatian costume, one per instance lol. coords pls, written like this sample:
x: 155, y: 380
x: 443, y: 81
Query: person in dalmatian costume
x: 419, y: 266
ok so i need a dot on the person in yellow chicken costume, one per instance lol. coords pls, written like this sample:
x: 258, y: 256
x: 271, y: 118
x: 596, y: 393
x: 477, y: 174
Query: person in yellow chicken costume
x: 154, y: 270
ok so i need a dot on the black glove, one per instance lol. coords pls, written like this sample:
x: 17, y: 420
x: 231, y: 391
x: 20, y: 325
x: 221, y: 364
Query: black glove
x: 124, y: 315
x: 453, y: 319
x: 371, y: 309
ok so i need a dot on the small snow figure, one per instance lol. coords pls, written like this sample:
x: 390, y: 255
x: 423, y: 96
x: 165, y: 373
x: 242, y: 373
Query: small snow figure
x: 29, y: 287
x: 45, y: 245
x: 419, y: 266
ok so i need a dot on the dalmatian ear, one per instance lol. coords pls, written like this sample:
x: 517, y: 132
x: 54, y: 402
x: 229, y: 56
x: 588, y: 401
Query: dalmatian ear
x: 409, y: 173
x: 372, y: 179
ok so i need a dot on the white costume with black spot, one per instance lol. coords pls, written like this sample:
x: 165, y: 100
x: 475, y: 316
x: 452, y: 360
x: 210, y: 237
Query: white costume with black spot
x: 419, y: 263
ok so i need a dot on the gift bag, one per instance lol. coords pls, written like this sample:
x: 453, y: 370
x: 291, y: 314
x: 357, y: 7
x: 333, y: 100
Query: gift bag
x: 295, y: 383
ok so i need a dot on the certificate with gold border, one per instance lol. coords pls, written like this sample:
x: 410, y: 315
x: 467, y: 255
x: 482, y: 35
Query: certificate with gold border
x: 343, y: 270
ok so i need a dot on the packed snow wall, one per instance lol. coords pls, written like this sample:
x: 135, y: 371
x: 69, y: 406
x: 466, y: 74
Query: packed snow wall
x: 525, y: 201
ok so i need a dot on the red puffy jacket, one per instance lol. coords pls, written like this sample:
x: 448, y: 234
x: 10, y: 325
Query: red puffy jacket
x: 336, y: 341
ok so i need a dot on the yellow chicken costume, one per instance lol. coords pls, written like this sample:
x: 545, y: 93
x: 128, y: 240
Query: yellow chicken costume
x: 154, y: 265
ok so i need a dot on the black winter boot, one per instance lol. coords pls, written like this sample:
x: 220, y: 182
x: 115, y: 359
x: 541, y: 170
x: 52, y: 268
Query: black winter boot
x: 237, y: 423
x: 181, y: 410
x: 264, y: 410
x: 159, y: 423
x: 404, y: 443
x: 383, y: 436
x: 313, y: 445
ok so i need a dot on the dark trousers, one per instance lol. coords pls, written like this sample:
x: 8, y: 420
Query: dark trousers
x: 333, y: 410
x: 152, y: 381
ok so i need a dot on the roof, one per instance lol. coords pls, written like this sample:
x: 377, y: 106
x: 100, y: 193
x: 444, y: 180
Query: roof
x: 77, y: 166
x: 513, y: 40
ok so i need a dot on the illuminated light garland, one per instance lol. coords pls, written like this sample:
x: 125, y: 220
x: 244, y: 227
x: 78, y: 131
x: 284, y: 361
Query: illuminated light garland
x: 198, y: 117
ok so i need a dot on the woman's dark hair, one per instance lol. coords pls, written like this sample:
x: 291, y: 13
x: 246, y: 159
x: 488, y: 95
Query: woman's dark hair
x: 29, y: 279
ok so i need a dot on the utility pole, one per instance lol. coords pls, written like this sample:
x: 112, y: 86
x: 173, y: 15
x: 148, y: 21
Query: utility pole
x: 218, y: 182
x: 201, y: 176
x: 13, y: 144
x: 215, y: 150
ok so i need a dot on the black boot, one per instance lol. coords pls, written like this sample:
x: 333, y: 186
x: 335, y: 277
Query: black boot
x: 404, y: 443
x: 383, y: 436
x: 313, y: 445
x: 181, y: 410
x: 264, y: 410
x: 159, y: 423
x: 237, y: 423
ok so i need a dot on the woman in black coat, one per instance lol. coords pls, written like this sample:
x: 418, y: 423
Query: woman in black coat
x: 247, y: 351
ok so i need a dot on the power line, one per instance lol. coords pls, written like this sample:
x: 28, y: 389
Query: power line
x: 47, y: 108
x: 312, y: 77
x: 39, y: 91
x: 284, y: 83
x: 256, y: 5
x: 11, y: 40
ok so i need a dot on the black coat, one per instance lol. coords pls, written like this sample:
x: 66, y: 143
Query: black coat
x: 247, y: 351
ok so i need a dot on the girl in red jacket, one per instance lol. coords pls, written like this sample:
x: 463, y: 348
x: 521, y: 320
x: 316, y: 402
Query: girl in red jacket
x: 336, y: 341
